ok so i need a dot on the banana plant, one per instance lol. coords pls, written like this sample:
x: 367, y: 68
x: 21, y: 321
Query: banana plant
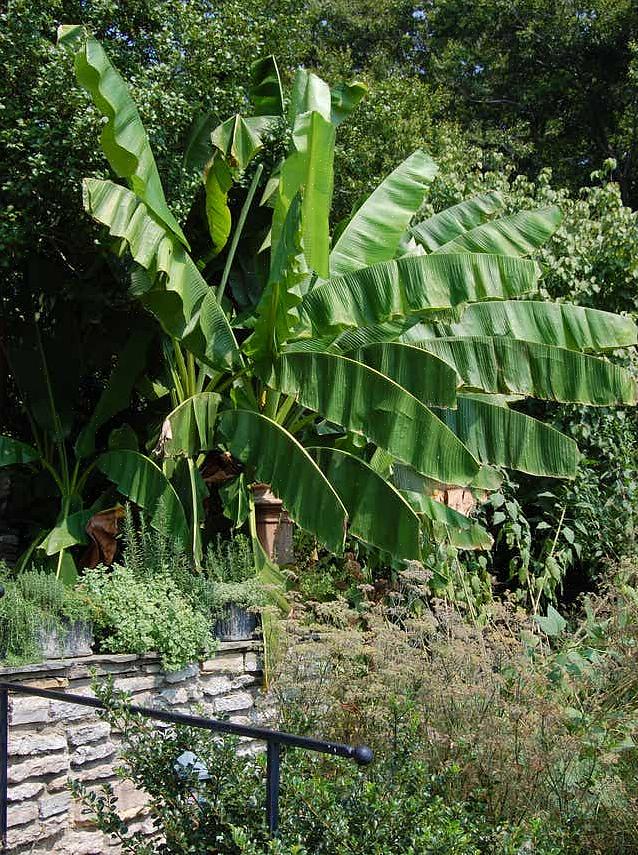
x: 41, y: 372
x: 372, y: 365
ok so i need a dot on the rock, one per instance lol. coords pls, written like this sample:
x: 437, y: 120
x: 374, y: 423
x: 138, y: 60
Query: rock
x: 236, y: 701
x: 85, y: 733
x: 36, y: 744
x: 139, y: 683
x: 25, y: 710
x: 185, y: 674
x: 252, y: 663
x: 131, y: 801
x: 64, y: 711
x: 24, y: 791
x: 228, y: 663
x: 37, y: 767
x: 53, y: 805
x: 174, y: 696
x: 89, y: 753
x: 216, y: 685
x: 20, y: 814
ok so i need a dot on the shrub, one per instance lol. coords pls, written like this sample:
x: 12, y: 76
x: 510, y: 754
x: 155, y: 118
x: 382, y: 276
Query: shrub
x: 138, y: 615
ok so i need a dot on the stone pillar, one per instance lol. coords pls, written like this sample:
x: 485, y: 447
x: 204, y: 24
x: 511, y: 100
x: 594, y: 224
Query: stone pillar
x: 274, y: 526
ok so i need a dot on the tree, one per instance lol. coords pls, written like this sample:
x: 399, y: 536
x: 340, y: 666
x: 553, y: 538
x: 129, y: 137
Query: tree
x: 359, y: 356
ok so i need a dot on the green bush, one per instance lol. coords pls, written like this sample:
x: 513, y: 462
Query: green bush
x: 133, y: 614
x: 328, y: 806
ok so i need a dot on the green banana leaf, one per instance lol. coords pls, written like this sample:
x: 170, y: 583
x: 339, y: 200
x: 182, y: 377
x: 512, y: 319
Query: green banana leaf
x: 367, y: 403
x: 376, y: 229
x: 123, y: 138
x: 177, y: 299
x: 410, y: 287
x: 265, y: 90
x: 144, y: 483
x: 238, y: 140
x: 190, y: 427
x: 218, y: 181
x: 116, y: 395
x: 344, y: 98
x: 279, y: 460
x: 199, y: 147
x: 511, y: 367
x: 443, y: 227
x: 13, y: 452
x: 516, y: 234
x: 309, y: 94
x: 377, y: 513
x: 508, y: 438
x: 68, y: 532
x: 430, y: 380
x: 308, y: 169
x: 276, y: 311
x: 559, y: 324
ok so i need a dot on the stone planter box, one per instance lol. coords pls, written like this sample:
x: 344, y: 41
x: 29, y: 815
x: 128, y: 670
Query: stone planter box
x: 74, y: 640
x: 238, y: 624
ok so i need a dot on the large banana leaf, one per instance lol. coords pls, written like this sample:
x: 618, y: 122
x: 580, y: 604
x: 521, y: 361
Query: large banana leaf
x: 308, y: 169
x: 375, y: 231
x: 279, y: 460
x: 144, y: 483
x: 367, y: 403
x: 443, y: 227
x: 276, y: 312
x: 190, y: 427
x: 512, y: 367
x: 238, y: 140
x: 199, y: 147
x: 13, y: 452
x: 344, y: 99
x: 560, y: 324
x: 377, y: 513
x: 265, y: 91
x: 431, y: 380
x: 517, y: 234
x: 124, y: 139
x: 508, y: 438
x: 445, y: 523
x: 309, y: 94
x: 67, y: 533
x: 116, y: 395
x: 412, y: 286
x: 218, y: 181
x: 176, y: 297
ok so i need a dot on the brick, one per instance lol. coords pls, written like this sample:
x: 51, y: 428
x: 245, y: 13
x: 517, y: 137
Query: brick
x: 54, y: 805
x: 89, y: 753
x: 36, y: 744
x: 36, y: 767
x: 28, y: 710
x: 24, y: 791
x: 230, y: 663
x: 233, y: 702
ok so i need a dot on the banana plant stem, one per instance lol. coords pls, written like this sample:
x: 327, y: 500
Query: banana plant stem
x: 238, y: 230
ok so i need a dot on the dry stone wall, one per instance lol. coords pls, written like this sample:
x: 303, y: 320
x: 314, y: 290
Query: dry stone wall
x: 51, y: 741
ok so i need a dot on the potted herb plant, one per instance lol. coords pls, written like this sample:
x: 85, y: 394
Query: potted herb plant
x: 228, y: 591
x: 41, y: 618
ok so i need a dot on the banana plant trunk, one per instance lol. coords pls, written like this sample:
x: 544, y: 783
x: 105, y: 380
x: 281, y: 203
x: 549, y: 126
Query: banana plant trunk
x: 274, y: 526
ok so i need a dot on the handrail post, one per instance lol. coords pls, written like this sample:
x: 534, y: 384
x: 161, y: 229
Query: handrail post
x: 272, y: 786
x: 4, y: 762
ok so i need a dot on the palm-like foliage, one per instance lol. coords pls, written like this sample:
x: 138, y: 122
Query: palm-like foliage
x: 366, y: 368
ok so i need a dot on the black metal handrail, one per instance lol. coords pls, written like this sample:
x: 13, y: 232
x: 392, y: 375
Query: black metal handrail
x: 274, y: 739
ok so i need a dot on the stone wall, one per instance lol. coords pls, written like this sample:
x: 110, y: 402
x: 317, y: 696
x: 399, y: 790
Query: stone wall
x: 51, y: 741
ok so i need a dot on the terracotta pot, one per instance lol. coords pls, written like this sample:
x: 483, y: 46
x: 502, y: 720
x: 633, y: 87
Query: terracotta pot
x: 274, y: 526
